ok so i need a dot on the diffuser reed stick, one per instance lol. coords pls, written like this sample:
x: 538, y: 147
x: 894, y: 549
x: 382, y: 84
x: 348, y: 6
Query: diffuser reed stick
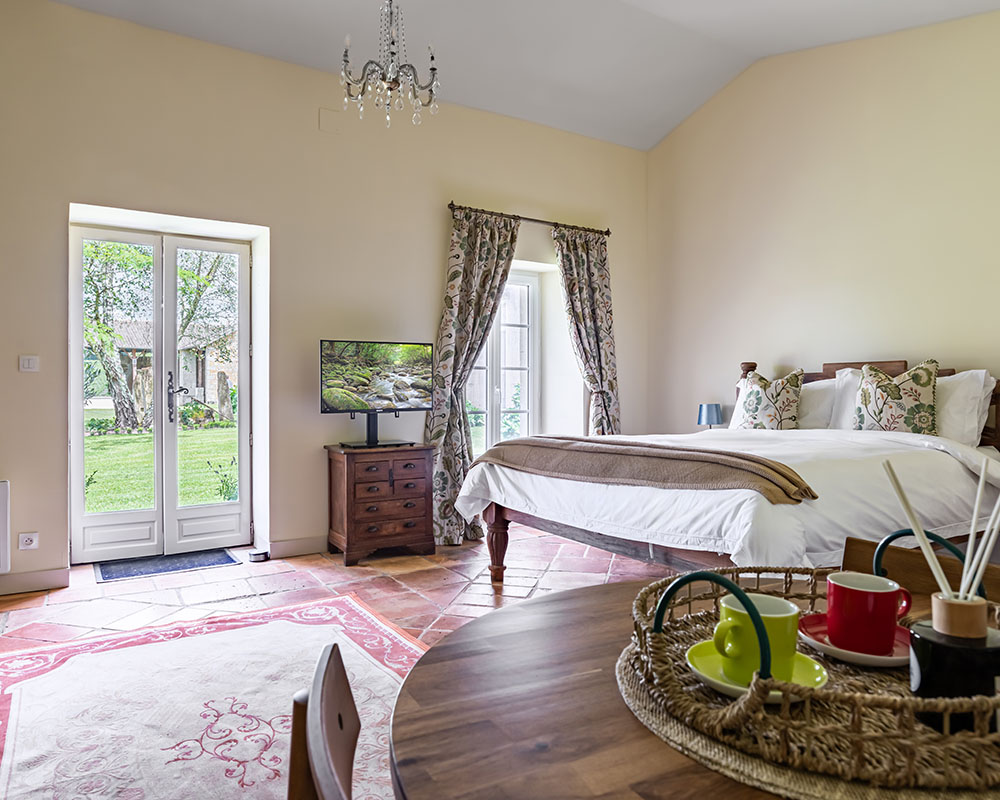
x: 918, y: 531
x: 981, y: 558
x: 974, y: 555
x: 971, y: 547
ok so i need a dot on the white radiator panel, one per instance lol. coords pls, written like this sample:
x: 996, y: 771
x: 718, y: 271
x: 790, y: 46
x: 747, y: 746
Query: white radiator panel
x: 5, y: 534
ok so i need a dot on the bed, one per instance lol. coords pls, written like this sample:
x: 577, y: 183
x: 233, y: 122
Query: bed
x: 685, y: 529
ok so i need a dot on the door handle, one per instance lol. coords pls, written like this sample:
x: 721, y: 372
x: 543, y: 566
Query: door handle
x: 171, y: 391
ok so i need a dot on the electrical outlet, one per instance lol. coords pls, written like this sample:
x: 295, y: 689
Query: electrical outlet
x: 27, y: 541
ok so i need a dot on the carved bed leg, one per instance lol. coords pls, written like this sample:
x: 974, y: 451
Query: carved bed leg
x: 496, y: 539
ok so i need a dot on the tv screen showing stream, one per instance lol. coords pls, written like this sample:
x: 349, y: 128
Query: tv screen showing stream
x: 374, y: 376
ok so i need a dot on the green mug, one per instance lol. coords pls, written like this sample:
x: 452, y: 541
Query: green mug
x: 736, y: 639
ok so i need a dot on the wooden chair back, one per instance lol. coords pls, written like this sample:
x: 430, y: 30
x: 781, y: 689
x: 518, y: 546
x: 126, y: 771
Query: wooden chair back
x: 907, y: 567
x: 325, y: 729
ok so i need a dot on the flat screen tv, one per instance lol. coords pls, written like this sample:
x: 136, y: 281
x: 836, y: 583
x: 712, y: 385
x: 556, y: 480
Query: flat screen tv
x: 374, y: 378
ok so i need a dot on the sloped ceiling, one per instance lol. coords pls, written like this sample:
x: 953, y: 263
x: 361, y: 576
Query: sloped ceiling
x: 624, y: 71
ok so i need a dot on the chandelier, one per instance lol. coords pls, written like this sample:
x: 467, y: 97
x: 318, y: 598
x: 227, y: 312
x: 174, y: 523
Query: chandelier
x: 386, y: 82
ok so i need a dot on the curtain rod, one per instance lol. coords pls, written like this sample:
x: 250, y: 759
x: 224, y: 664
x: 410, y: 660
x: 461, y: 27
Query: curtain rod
x: 548, y: 222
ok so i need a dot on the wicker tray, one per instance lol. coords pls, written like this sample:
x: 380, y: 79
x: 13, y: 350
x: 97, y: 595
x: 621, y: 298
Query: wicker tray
x: 858, y: 734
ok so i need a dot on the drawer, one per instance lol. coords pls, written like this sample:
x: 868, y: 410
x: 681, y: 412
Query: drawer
x: 408, y: 468
x: 388, y: 509
x: 364, y: 491
x: 414, y: 487
x: 392, y: 527
x: 371, y: 470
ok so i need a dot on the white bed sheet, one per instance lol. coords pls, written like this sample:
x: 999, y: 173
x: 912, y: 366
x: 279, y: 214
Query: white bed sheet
x: 843, y: 467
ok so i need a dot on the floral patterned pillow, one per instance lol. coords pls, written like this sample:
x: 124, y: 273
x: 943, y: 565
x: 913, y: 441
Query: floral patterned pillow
x: 772, y: 405
x: 905, y: 403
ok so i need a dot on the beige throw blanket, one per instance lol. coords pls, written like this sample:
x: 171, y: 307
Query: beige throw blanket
x: 610, y: 460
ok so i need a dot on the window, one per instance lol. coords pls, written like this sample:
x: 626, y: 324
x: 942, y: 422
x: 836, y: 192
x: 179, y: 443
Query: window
x: 199, y: 369
x: 501, y: 397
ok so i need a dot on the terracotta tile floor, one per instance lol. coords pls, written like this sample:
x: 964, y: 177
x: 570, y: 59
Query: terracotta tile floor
x: 428, y: 596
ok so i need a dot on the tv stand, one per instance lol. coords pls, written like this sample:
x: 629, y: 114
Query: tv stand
x: 371, y: 434
x: 380, y: 497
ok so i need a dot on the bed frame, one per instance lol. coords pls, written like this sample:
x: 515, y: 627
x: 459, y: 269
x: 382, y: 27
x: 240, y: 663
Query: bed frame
x: 498, y: 518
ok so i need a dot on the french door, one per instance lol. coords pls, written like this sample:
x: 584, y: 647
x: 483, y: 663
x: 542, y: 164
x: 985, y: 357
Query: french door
x: 159, y: 394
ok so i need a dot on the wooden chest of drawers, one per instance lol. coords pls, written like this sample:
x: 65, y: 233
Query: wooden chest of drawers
x: 380, y: 497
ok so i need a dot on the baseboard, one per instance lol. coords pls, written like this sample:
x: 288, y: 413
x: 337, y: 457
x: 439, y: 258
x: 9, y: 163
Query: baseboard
x: 286, y: 548
x: 38, y: 581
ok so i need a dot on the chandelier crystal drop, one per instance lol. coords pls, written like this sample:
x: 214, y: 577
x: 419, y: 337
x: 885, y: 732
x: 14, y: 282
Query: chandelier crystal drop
x: 389, y: 83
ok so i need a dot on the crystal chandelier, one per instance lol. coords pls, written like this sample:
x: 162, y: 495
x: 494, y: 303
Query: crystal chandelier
x: 384, y: 83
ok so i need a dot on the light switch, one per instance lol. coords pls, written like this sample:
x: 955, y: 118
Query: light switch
x: 29, y: 363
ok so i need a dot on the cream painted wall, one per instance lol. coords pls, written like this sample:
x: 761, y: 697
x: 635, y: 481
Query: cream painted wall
x: 841, y: 203
x: 101, y: 111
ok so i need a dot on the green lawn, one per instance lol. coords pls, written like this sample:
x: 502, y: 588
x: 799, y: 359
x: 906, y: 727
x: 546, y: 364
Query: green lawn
x: 98, y: 413
x: 124, y: 464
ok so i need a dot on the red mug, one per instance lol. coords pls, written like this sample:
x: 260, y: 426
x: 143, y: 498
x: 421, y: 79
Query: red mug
x: 862, y: 611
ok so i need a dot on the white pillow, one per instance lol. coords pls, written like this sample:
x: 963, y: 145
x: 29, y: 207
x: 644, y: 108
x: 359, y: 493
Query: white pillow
x: 961, y: 400
x: 846, y: 400
x: 984, y: 406
x: 816, y: 403
x: 963, y: 403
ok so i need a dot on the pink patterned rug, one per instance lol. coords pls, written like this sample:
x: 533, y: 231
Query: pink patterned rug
x: 194, y: 710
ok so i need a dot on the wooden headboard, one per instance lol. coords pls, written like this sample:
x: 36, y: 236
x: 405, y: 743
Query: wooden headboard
x: 991, y: 433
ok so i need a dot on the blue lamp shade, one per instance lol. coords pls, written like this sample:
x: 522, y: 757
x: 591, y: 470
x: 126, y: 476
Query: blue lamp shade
x: 710, y: 414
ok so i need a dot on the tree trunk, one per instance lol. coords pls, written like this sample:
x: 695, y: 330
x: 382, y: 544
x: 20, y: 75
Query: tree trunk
x: 142, y: 392
x: 225, y: 402
x: 125, y: 416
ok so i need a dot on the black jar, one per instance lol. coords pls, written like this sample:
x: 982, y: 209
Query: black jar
x: 953, y: 666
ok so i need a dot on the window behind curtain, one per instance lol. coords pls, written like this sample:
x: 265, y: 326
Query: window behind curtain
x: 502, y: 392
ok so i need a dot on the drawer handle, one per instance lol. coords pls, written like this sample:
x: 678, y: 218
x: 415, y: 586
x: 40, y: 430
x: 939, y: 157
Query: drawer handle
x: 371, y: 509
x: 409, y: 504
x: 410, y: 485
x: 410, y: 525
x: 373, y: 488
x: 373, y: 529
x: 409, y: 466
x: 372, y: 468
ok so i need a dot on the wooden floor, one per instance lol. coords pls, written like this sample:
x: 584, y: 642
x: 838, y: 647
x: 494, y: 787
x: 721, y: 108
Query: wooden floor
x: 426, y: 595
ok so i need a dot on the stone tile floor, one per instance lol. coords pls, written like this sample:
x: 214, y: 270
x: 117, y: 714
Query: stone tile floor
x: 427, y: 596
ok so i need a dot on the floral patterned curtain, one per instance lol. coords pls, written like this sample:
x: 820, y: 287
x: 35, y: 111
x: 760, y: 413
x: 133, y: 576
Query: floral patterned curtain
x: 583, y: 262
x: 482, y: 247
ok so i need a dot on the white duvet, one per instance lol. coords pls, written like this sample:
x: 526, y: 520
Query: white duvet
x: 843, y: 467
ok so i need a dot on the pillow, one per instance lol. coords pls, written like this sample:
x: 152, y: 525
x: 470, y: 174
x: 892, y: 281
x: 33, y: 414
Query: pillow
x: 984, y: 405
x: 816, y: 403
x: 905, y: 403
x: 773, y: 405
x: 846, y: 400
x: 963, y: 403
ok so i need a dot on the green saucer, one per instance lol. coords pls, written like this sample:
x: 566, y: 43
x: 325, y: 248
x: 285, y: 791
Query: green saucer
x: 706, y: 662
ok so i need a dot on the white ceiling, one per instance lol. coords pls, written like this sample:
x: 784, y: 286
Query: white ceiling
x: 625, y: 71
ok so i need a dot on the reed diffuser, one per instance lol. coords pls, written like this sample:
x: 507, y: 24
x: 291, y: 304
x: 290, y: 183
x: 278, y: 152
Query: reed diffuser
x: 956, y: 654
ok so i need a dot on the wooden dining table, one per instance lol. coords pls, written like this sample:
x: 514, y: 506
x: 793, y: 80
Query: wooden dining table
x: 522, y: 703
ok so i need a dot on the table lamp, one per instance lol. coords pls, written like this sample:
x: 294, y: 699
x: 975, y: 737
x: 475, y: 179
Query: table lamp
x: 710, y: 414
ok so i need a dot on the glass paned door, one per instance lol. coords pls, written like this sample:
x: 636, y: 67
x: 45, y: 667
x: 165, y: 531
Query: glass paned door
x: 116, y: 436
x: 206, y: 465
x: 159, y: 436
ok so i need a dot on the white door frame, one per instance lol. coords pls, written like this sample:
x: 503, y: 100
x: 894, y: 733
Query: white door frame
x: 225, y: 524
x: 114, y: 534
x: 165, y: 528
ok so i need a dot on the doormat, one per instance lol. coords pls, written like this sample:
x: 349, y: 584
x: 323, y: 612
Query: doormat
x: 154, y: 565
